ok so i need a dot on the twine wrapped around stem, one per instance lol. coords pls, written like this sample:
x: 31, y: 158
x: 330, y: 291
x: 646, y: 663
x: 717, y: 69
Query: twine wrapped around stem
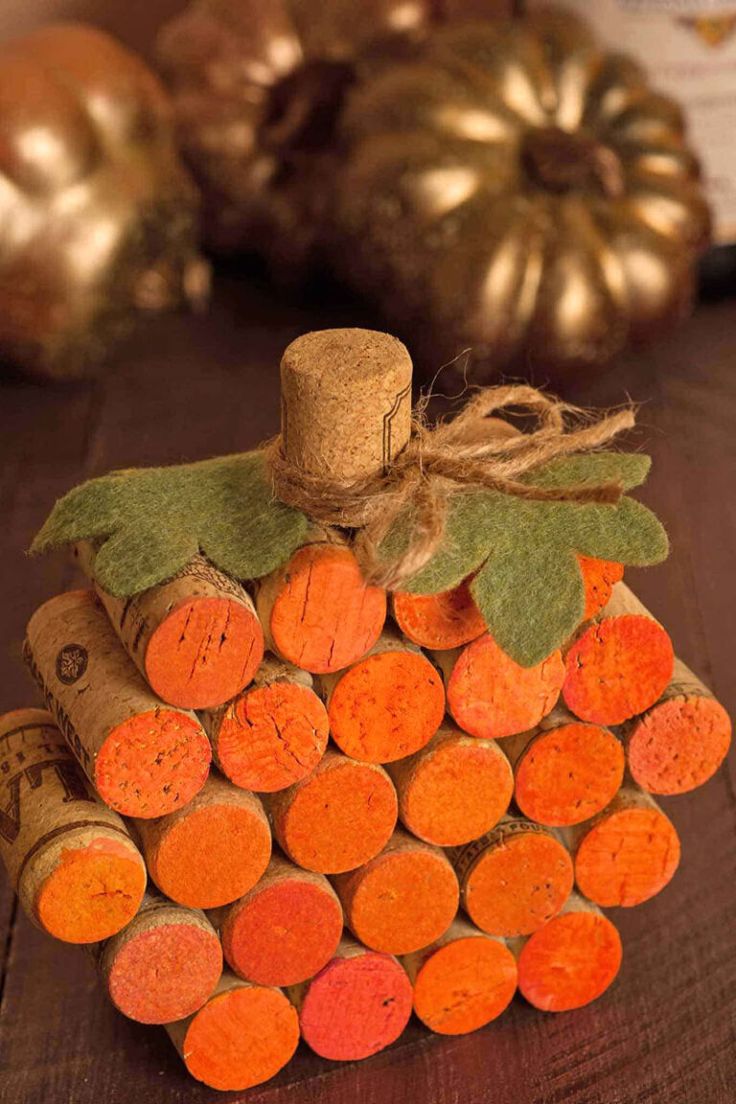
x: 473, y: 450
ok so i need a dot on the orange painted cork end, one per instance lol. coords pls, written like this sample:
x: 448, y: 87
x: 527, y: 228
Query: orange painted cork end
x: 325, y: 617
x: 272, y: 736
x: 356, y: 1007
x: 599, y: 579
x: 570, y: 962
x: 617, y: 668
x: 627, y: 857
x: 491, y: 696
x: 679, y: 744
x: 517, y: 886
x: 165, y: 973
x: 92, y: 893
x: 284, y: 934
x: 569, y: 774
x: 241, y: 1038
x: 464, y: 985
x: 387, y: 707
x: 153, y: 763
x: 446, y: 620
x: 211, y: 856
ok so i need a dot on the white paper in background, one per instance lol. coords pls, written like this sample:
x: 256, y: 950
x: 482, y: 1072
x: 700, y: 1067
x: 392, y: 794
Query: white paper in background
x: 689, y: 49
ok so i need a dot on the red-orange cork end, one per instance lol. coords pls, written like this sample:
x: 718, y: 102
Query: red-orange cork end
x: 204, y: 652
x: 617, y: 668
x: 464, y: 985
x: 627, y: 857
x: 93, y: 892
x: 241, y: 1038
x: 679, y: 744
x: 446, y: 620
x: 165, y: 973
x: 211, y: 856
x: 599, y: 579
x: 339, y: 818
x: 387, y: 706
x: 460, y: 792
x: 570, y: 962
x: 402, y: 900
x: 153, y: 763
x: 356, y: 1006
x: 516, y: 887
x: 272, y: 736
x: 569, y: 774
x: 325, y: 616
x: 284, y: 934
x: 490, y: 695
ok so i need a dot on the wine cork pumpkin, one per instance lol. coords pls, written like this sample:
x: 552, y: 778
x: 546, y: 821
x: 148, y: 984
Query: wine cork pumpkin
x: 620, y: 664
x: 462, y: 981
x: 285, y: 929
x: 680, y: 742
x: 337, y: 818
x: 402, y: 899
x: 453, y: 790
x: 387, y: 705
x: 212, y: 851
x: 357, y: 1005
x: 242, y: 1037
x: 144, y: 759
x: 565, y: 771
x: 272, y: 734
x: 196, y: 639
x: 513, y: 879
x: 71, y: 860
x: 163, y: 965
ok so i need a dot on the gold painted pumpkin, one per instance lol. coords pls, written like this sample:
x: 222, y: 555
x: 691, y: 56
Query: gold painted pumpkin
x: 515, y: 191
x: 257, y: 87
x: 98, y: 218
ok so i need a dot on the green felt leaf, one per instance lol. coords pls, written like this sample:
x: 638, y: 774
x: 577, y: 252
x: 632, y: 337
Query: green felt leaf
x: 630, y: 469
x: 151, y: 521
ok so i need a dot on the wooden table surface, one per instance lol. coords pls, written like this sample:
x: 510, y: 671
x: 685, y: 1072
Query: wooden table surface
x: 186, y: 388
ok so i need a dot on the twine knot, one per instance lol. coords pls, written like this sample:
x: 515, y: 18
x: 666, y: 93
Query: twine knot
x: 475, y: 449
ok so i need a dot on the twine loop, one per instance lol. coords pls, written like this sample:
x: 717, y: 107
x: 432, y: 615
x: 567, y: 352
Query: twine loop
x: 474, y: 449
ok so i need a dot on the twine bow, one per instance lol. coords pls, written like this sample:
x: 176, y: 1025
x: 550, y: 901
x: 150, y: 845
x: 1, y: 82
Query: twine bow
x: 473, y: 450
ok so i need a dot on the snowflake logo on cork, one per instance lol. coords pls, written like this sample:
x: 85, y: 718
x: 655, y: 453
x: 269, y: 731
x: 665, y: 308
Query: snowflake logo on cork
x: 71, y: 663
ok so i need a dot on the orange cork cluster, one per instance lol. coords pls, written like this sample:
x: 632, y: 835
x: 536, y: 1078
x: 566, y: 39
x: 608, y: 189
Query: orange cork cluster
x: 399, y: 817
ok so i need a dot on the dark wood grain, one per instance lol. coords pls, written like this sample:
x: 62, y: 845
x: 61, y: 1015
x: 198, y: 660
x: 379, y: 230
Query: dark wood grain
x: 666, y: 1032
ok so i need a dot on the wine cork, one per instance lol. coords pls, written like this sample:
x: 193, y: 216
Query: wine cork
x: 620, y: 664
x: 571, y: 961
x: 599, y: 579
x: 211, y: 852
x: 565, y: 770
x: 283, y: 930
x: 163, y: 965
x: 143, y: 758
x: 273, y: 733
x: 243, y: 1035
x: 357, y: 1005
x: 387, y: 705
x: 337, y: 818
x: 462, y: 981
x: 70, y: 859
x: 453, y: 790
x: 402, y: 899
x: 196, y: 638
x: 681, y: 741
x: 317, y: 610
x: 491, y: 696
x: 513, y: 879
x: 438, y: 621
x: 346, y: 402
x: 627, y: 853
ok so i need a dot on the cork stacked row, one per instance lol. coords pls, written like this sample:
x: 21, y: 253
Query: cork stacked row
x: 355, y: 801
